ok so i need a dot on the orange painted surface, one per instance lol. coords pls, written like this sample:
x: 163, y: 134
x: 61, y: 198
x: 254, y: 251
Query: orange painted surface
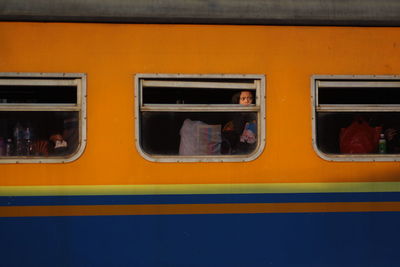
x: 110, y: 55
x: 173, y: 209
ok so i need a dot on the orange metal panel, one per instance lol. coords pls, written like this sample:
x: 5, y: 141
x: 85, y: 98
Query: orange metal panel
x: 110, y: 54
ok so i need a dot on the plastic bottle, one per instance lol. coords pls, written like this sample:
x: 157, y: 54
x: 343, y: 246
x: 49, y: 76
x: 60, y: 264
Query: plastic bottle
x: 9, y: 147
x: 28, y: 141
x: 382, y: 144
x: 18, y: 139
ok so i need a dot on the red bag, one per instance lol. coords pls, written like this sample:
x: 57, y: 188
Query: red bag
x: 359, y: 138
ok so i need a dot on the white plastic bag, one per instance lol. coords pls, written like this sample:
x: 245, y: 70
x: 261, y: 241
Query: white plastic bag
x: 199, y: 138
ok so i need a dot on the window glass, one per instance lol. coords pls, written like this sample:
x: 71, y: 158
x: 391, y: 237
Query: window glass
x: 41, y: 117
x: 199, y: 118
x: 357, y: 117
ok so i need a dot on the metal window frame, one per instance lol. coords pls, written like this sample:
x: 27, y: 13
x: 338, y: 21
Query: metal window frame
x: 46, y: 79
x: 259, y: 107
x: 359, y: 81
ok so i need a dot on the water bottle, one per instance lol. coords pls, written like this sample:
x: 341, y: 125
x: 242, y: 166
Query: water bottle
x: 28, y: 141
x: 9, y: 147
x: 382, y: 144
x: 18, y: 139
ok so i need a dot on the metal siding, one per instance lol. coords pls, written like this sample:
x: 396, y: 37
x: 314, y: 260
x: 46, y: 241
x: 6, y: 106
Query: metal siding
x: 261, y: 12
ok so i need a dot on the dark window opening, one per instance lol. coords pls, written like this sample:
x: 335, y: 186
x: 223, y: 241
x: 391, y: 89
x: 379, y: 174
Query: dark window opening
x: 160, y: 131
x: 330, y: 125
x: 38, y: 94
x: 154, y: 95
x: 359, y: 115
x: 346, y: 95
x: 38, y: 133
x: 41, y: 117
x: 183, y: 115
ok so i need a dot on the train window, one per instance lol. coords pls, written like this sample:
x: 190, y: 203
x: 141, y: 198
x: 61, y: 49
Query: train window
x: 42, y: 117
x: 194, y: 118
x: 356, y: 118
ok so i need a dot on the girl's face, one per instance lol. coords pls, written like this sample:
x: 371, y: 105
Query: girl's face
x: 246, y: 98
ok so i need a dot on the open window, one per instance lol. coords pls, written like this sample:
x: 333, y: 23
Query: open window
x: 199, y: 117
x: 356, y: 118
x: 42, y: 117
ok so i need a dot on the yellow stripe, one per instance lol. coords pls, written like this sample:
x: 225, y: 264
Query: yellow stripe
x: 172, y: 209
x: 198, y: 189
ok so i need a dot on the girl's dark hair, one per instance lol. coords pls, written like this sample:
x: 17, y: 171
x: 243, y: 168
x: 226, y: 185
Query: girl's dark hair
x: 235, y: 98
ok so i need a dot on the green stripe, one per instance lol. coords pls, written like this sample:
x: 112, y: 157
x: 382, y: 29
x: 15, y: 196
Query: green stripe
x: 174, y: 189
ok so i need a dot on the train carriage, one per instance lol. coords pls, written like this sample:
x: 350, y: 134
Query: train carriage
x: 117, y: 145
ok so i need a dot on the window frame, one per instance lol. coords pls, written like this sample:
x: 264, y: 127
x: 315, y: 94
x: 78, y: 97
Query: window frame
x: 258, y: 107
x: 356, y: 81
x: 54, y: 79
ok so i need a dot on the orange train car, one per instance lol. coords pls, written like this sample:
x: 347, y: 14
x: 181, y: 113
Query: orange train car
x: 124, y: 140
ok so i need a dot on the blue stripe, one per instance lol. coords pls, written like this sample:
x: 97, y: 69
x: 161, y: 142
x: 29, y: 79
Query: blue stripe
x: 198, y: 199
x: 234, y: 240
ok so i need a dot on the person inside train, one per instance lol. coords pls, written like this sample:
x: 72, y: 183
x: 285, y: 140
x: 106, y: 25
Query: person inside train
x: 60, y: 142
x: 65, y: 141
x: 390, y: 128
x: 363, y: 133
x: 240, y: 134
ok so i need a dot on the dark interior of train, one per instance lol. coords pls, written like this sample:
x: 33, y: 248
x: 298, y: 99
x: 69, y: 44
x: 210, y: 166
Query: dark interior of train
x: 38, y: 126
x: 38, y: 94
x: 193, y: 95
x: 35, y: 124
x: 361, y: 95
x: 160, y: 131
x: 373, y: 95
x: 330, y: 125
